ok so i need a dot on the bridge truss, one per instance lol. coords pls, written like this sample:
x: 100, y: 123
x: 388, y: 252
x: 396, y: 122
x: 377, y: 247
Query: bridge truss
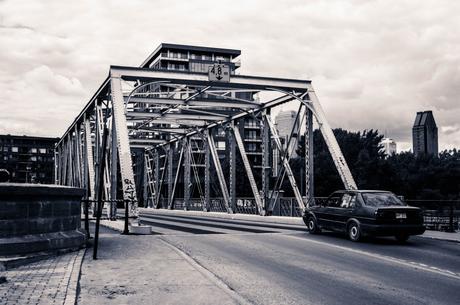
x: 177, y: 140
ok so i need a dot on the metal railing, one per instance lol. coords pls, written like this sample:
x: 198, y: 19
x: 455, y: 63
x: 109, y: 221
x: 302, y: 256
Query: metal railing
x: 439, y: 215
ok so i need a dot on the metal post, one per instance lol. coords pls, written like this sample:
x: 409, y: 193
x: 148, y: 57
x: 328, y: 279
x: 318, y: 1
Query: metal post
x: 170, y: 172
x: 308, y: 155
x: 187, y: 181
x: 113, y: 174
x: 207, y: 203
x: 232, y: 163
x: 265, y: 162
x: 126, y: 226
x: 100, y: 188
x: 86, y: 211
x: 156, y: 174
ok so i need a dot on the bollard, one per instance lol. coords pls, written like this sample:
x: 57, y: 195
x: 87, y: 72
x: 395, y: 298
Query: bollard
x: 126, y: 228
x: 86, y: 208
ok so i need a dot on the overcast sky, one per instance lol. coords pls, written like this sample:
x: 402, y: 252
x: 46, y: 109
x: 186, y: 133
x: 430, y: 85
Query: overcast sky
x: 374, y: 64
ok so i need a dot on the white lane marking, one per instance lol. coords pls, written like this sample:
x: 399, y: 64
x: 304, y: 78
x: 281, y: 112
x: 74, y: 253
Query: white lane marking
x: 208, y: 274
x: 390, y: 259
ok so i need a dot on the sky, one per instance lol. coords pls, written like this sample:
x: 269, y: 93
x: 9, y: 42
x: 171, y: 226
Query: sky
x: 373, y: 64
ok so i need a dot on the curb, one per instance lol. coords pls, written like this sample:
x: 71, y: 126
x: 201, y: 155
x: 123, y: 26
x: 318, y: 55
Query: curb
x: 74, y: 279
x: 440, y: 238
x: 7, y: 263
x: 246, y: 217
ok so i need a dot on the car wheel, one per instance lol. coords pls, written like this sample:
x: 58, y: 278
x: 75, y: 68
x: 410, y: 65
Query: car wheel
x: 312, y: 225
x: 354, y: 231
x: 402, y: 238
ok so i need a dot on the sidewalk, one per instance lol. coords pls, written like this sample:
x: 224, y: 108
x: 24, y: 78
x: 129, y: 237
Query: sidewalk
x: 50, y: 281
x: 144, y: 269
x: 454, y: 237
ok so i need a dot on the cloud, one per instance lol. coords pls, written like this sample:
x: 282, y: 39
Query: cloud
x: 374, y: 64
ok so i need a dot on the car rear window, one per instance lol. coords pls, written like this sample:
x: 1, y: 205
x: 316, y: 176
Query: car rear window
x: 381, y: 199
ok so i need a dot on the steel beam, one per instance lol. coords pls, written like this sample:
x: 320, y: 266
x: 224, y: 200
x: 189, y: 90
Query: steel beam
x: 232, y: 165
x: 201, y: 79
x: 308, y: 156
x: 187, y: 181
x: 207, y: 197
x: 331, y: 141
x: 248, y: 169
x: 202, y: 103
x: 124, y: 150
x: 220, y: 173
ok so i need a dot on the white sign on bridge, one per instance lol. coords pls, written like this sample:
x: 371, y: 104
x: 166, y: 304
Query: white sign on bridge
x: 219, y: 73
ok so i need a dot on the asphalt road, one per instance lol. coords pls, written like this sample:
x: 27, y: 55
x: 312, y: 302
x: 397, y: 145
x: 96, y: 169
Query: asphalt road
x: 283, y: 264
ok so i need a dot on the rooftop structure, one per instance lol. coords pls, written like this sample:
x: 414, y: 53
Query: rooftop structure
x: 425, y: 134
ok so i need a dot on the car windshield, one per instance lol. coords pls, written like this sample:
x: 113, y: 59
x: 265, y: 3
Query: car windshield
x: 381, y: 199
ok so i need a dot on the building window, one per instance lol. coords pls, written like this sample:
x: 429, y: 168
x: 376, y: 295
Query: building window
x: 33, y: 150
x: 42, y: 150
x: 14, y: 149
x: 251, y: 134
x: 5, y: 149
x: 220, y: 145
x: 252, y: 147
x: 33, y: 158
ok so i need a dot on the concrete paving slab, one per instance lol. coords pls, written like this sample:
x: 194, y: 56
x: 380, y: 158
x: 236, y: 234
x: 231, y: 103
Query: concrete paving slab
x: 143, y: 269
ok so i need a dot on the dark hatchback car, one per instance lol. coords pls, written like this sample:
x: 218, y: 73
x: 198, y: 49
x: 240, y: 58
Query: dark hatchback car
x: 365, y: 213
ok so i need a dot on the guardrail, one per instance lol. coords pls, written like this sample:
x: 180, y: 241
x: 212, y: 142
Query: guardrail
x: 440, y: 215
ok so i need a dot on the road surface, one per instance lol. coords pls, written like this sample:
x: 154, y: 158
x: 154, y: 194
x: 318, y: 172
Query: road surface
x: 282, y: 264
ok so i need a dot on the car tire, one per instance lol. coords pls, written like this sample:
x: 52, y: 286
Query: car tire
x: 312, y: 225
x: 402, y: 238
x: 354, y: 231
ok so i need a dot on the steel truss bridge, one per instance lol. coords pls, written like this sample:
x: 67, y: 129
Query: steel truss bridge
x: 164, y: 132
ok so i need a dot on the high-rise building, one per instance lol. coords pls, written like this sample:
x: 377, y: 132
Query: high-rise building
x: 28, y: 159
x: 284, y: 124
x: 425, y: 134
x: 389, y: 146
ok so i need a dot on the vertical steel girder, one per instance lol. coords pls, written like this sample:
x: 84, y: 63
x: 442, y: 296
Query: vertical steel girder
x: 207, y: 191
x: 187, y: 181
x: 247, y: 166
x: 179, y: 163
x: 170, y: 172
x: 90, y: 158
x: 220, y: 173
x: 308, y: 156
x: 124, y: 151
x: 113, y: 171
x: 156, y: 176
x: 265, y: 161
x: 232, y: 163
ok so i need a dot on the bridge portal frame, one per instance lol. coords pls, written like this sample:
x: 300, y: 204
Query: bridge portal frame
x: 177, y: 121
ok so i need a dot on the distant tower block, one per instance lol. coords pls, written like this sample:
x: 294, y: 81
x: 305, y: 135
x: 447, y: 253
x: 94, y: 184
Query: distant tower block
x: 284, y: 124
x: 389, y: 146
x: 425, y: 134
